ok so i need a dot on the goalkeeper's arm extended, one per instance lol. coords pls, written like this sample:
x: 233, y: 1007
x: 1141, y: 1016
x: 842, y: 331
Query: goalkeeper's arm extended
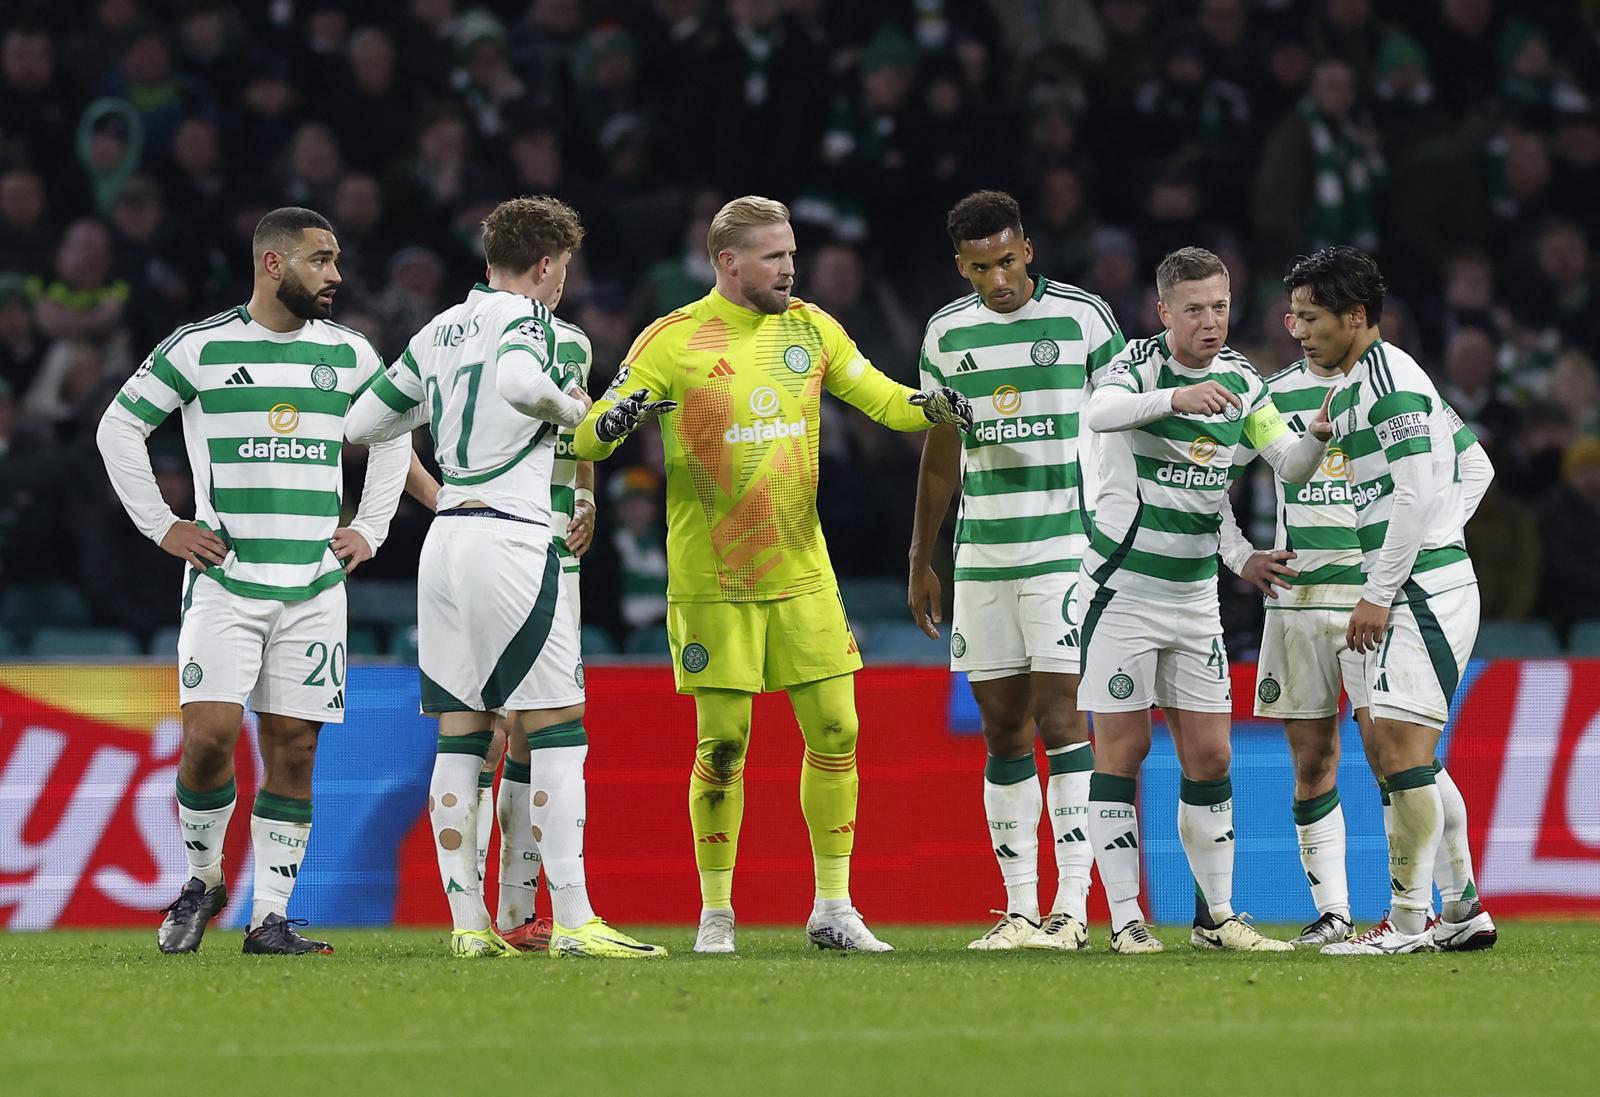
x: 628, y: 415
x: 944, y: 405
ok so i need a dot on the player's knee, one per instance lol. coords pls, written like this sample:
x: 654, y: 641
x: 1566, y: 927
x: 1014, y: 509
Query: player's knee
x: 835, y: 733
x: 1315, y: 768
x: 1207, y: 763
x: 207, y: 750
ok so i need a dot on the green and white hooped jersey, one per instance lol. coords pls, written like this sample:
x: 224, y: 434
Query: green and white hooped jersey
x: 573, y: 351
x: 1387, y: 411
x: 1317, y: 520
x: 263, y: 422
x: 1160, y: 488
x: 487, y: 450
x: 1026, y: 373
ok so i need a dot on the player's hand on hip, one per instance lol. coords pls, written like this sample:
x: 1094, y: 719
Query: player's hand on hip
x: 1206, y: 398
x: 1321, y: 427
x: 580, y: 528
x: 1268, y: 569
x: 350, y: 549
x: 1367, y: 624
x: 923, y: 598
x: 944, y: 405
x: 629, y: 414
x: 193, y: 545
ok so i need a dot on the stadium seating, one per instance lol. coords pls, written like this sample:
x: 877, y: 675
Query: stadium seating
x: 869, y: 600
x: 165, y: 643
x: 1516, y: 640
x: 403, y: 644
x: 648, y: 641
x: 1585, y: 639
x: 27, y: 607
x: 56, y: 642
x: 382, y: 601
x: 597, y: 641
x: 902, y: 642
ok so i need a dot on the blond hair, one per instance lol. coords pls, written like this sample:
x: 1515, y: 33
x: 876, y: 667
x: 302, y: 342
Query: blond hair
x: 733, y: 220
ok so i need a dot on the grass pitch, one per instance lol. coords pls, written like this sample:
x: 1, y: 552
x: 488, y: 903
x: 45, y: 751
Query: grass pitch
x: 393, y: 1014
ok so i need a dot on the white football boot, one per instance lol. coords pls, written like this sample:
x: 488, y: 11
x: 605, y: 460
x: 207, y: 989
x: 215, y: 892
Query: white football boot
x: 844, y: 931
x: 1381, y: 940
x: 1134, y: 939
x: 1236, y: 935
x: 1011, y: 931
x: 716, y: 932
x: 1060, y: 933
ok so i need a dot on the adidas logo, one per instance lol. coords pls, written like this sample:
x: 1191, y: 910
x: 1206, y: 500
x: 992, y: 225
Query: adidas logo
x: 1228, y: 837
x: 1070, y: 640
x: 291, y: 871
x: 721, y: 369
x: 454, y: 888
x: 1130, y: 840
x: 337, y: 702
x: 1396, y: 886
x: 1311, y: 878
x: 715, y: 839
x: 1298, y: 425
x: 1004, y: 851
x: 967, y: 364
x: 241, y: 376
x: 1382, y: 683
x: 1073, y: 835
x: 198, y: 847
x: 848, y: 828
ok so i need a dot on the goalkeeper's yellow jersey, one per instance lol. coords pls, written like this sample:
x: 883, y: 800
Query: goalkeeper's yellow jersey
x: 741, y: 448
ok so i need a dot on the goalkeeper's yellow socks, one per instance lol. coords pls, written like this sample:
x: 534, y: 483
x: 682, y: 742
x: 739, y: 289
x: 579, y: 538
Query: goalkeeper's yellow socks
x: 452, y: 811
x: 828, y: 790
x: 716, y: 811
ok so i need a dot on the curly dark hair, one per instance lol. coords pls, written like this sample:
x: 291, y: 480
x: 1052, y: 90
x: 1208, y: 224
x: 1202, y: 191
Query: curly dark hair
x: 981, y: 214
x: 522, y: 231
x: 1340, y: 278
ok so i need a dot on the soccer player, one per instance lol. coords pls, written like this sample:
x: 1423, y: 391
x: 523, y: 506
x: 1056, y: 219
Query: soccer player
x: 1168, y: 414
x: 572, y: 511
x: 752, y: 600
x: 495, y: 631
x: 1023, y: 349
x: 1304, y: 658
x: 1416, y: 619
x: 264, y: 389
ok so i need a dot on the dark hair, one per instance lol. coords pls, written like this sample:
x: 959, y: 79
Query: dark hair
x: 1340, y: 278
x: 522, y: 231
x: 282, y: 227
x: 1187, y: 265
x: 982, y: 214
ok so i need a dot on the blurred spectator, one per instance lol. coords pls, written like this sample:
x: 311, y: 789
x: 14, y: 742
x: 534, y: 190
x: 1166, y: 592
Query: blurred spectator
x: 21, y: 348
x: 153, y: 259
x: 210, y: 47
x: 1469, y: 367
x: 1061, y: 225
x: 835, y: 280
x: 1464, y: 52
x: 640, y: 538
x: 128, y: 578
x: 1503, y: 538
x: 162, y: 96
x: 688, y: 276
x: 1560, y: 291
x: 365, y: 240
x: 27, y: 238
x: 1531, y: 465
x: 373, y: 111
x: 1319, y: 171
x: 82, y: 299
x: 1199, y: 119
x: 1407, y: 108
x: 39, y: 108
x: 313, y: 167
x: 72, y: 370
x: 1574, y: 384
x: 8, y: 418
x: 110, y: 146
x: 413, y: 297
x: 1115, y: 274
x: 485, y: 80
x: 1569, y: 520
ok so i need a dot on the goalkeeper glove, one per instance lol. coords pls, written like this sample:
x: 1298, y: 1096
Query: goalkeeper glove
x: 628, y: 415
x: 945, y: 405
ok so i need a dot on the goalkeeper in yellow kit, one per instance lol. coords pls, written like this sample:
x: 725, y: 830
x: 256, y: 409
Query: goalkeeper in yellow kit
x: 752, y: 601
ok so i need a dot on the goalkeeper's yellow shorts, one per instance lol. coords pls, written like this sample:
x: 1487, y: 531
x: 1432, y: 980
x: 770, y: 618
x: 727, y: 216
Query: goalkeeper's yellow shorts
x: 756, y: 647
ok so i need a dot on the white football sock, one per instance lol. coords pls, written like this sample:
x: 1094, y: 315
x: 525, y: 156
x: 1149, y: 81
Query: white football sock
x: 1319, y: 824
x: 485, y: 828
x: 558, y: 806
x: 1205, y: 827
x: 1413, y: 845
x: 1452, y: 869
x: 1012, y: 802
x: 205, y: 828
x: 519, y: 853
x: 452, y: 805
x: 1114, y: 830
x: 1067, y: 795
x: 280, y: 829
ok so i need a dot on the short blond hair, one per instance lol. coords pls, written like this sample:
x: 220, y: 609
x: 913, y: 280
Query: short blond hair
x: 738, y: 217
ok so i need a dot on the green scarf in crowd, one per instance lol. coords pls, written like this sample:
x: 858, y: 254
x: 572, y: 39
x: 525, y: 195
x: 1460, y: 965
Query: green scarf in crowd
x: 1341, y: 210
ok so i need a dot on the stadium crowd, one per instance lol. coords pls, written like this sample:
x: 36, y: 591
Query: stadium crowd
x: 1458, y: 140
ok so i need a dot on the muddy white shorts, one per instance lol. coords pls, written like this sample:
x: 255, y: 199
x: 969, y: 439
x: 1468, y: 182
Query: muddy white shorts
x: 1414, y: 673
x: 1304, y: 660
x: 495, y: 632
x: 1140, y: 653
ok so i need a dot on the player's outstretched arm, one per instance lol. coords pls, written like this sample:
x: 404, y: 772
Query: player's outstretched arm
x: 1114, y: 406
x: 937, y: 476
x: 611, y: 420
x: 944, y: 406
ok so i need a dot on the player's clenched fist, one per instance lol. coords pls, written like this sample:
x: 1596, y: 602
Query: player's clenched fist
x: 629, y: 414
x: 193, y: 545
x: 1206, y: 398
x: 945, y: 405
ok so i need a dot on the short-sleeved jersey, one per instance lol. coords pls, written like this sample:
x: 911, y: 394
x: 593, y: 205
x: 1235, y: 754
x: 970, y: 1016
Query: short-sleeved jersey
x: 1316, y: 520
x: 487, y: 450
x: 573, y: 352
x: 1388, y: 411
x: 1026, y: 373
x: 1160, y: 488
x: 741, y: 448
x: 263, y: 422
